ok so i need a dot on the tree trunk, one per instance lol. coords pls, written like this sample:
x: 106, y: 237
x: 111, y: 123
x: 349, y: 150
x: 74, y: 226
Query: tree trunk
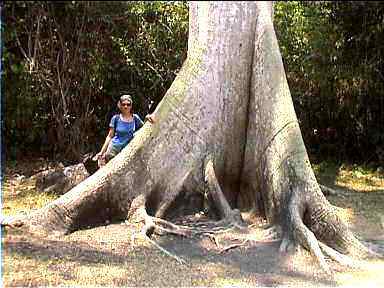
x: 226, y: 129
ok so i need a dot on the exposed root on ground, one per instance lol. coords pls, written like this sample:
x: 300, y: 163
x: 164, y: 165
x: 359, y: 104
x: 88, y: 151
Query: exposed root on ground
x: 155, y: 225
x: 342, y: 259
x: 139, y: 214
x: 12, y: 221
x: 229, y: 247
x: 300, y: 235
x: 330, y: 191
x: 228, y: 233
x: 272, y: 232
x: 324, y: 230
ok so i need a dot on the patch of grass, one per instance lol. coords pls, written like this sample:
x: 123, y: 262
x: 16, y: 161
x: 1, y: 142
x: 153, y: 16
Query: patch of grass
x: 358, y: 178
x: 352, y: 177
x: 22, y: 197
x: 53, y: 271
x: 17, y: 270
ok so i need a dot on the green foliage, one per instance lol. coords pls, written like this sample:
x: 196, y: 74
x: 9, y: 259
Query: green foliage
x: 67, y: 63
x: 332, y: 53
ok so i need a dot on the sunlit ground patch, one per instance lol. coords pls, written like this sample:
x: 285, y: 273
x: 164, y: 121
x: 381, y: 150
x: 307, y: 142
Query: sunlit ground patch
x: 22, y: 197
x: 372, y: 276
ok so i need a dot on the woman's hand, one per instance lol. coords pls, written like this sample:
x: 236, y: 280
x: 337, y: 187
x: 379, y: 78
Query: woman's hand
x: 98, y: 156
x: 150, y: 118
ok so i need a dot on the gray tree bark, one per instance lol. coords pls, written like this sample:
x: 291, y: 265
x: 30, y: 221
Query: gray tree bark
x: 226, y: 129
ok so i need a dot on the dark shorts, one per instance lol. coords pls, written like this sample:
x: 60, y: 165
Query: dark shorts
x: 111, y: 152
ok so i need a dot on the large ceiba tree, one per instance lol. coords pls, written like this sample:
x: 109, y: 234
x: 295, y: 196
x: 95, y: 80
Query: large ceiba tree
x: 225, y: 131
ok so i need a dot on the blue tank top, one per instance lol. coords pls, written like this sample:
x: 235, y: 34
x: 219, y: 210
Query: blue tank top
x: 124, y: 131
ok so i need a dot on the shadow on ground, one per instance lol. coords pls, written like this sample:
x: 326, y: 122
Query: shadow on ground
x: 106, y: 256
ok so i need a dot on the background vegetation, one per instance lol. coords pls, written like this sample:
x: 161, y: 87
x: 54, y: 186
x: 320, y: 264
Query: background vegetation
x: 333, y: 52
x: 66, y: 63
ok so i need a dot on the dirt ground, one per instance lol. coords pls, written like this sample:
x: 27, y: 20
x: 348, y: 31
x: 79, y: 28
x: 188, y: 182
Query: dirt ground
x: 116, y: 255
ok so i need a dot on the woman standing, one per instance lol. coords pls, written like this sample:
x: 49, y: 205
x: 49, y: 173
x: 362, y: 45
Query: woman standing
x: 121, y: 130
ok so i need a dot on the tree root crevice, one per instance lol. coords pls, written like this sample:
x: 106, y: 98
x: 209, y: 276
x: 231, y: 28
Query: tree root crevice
x: 215, y: 196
